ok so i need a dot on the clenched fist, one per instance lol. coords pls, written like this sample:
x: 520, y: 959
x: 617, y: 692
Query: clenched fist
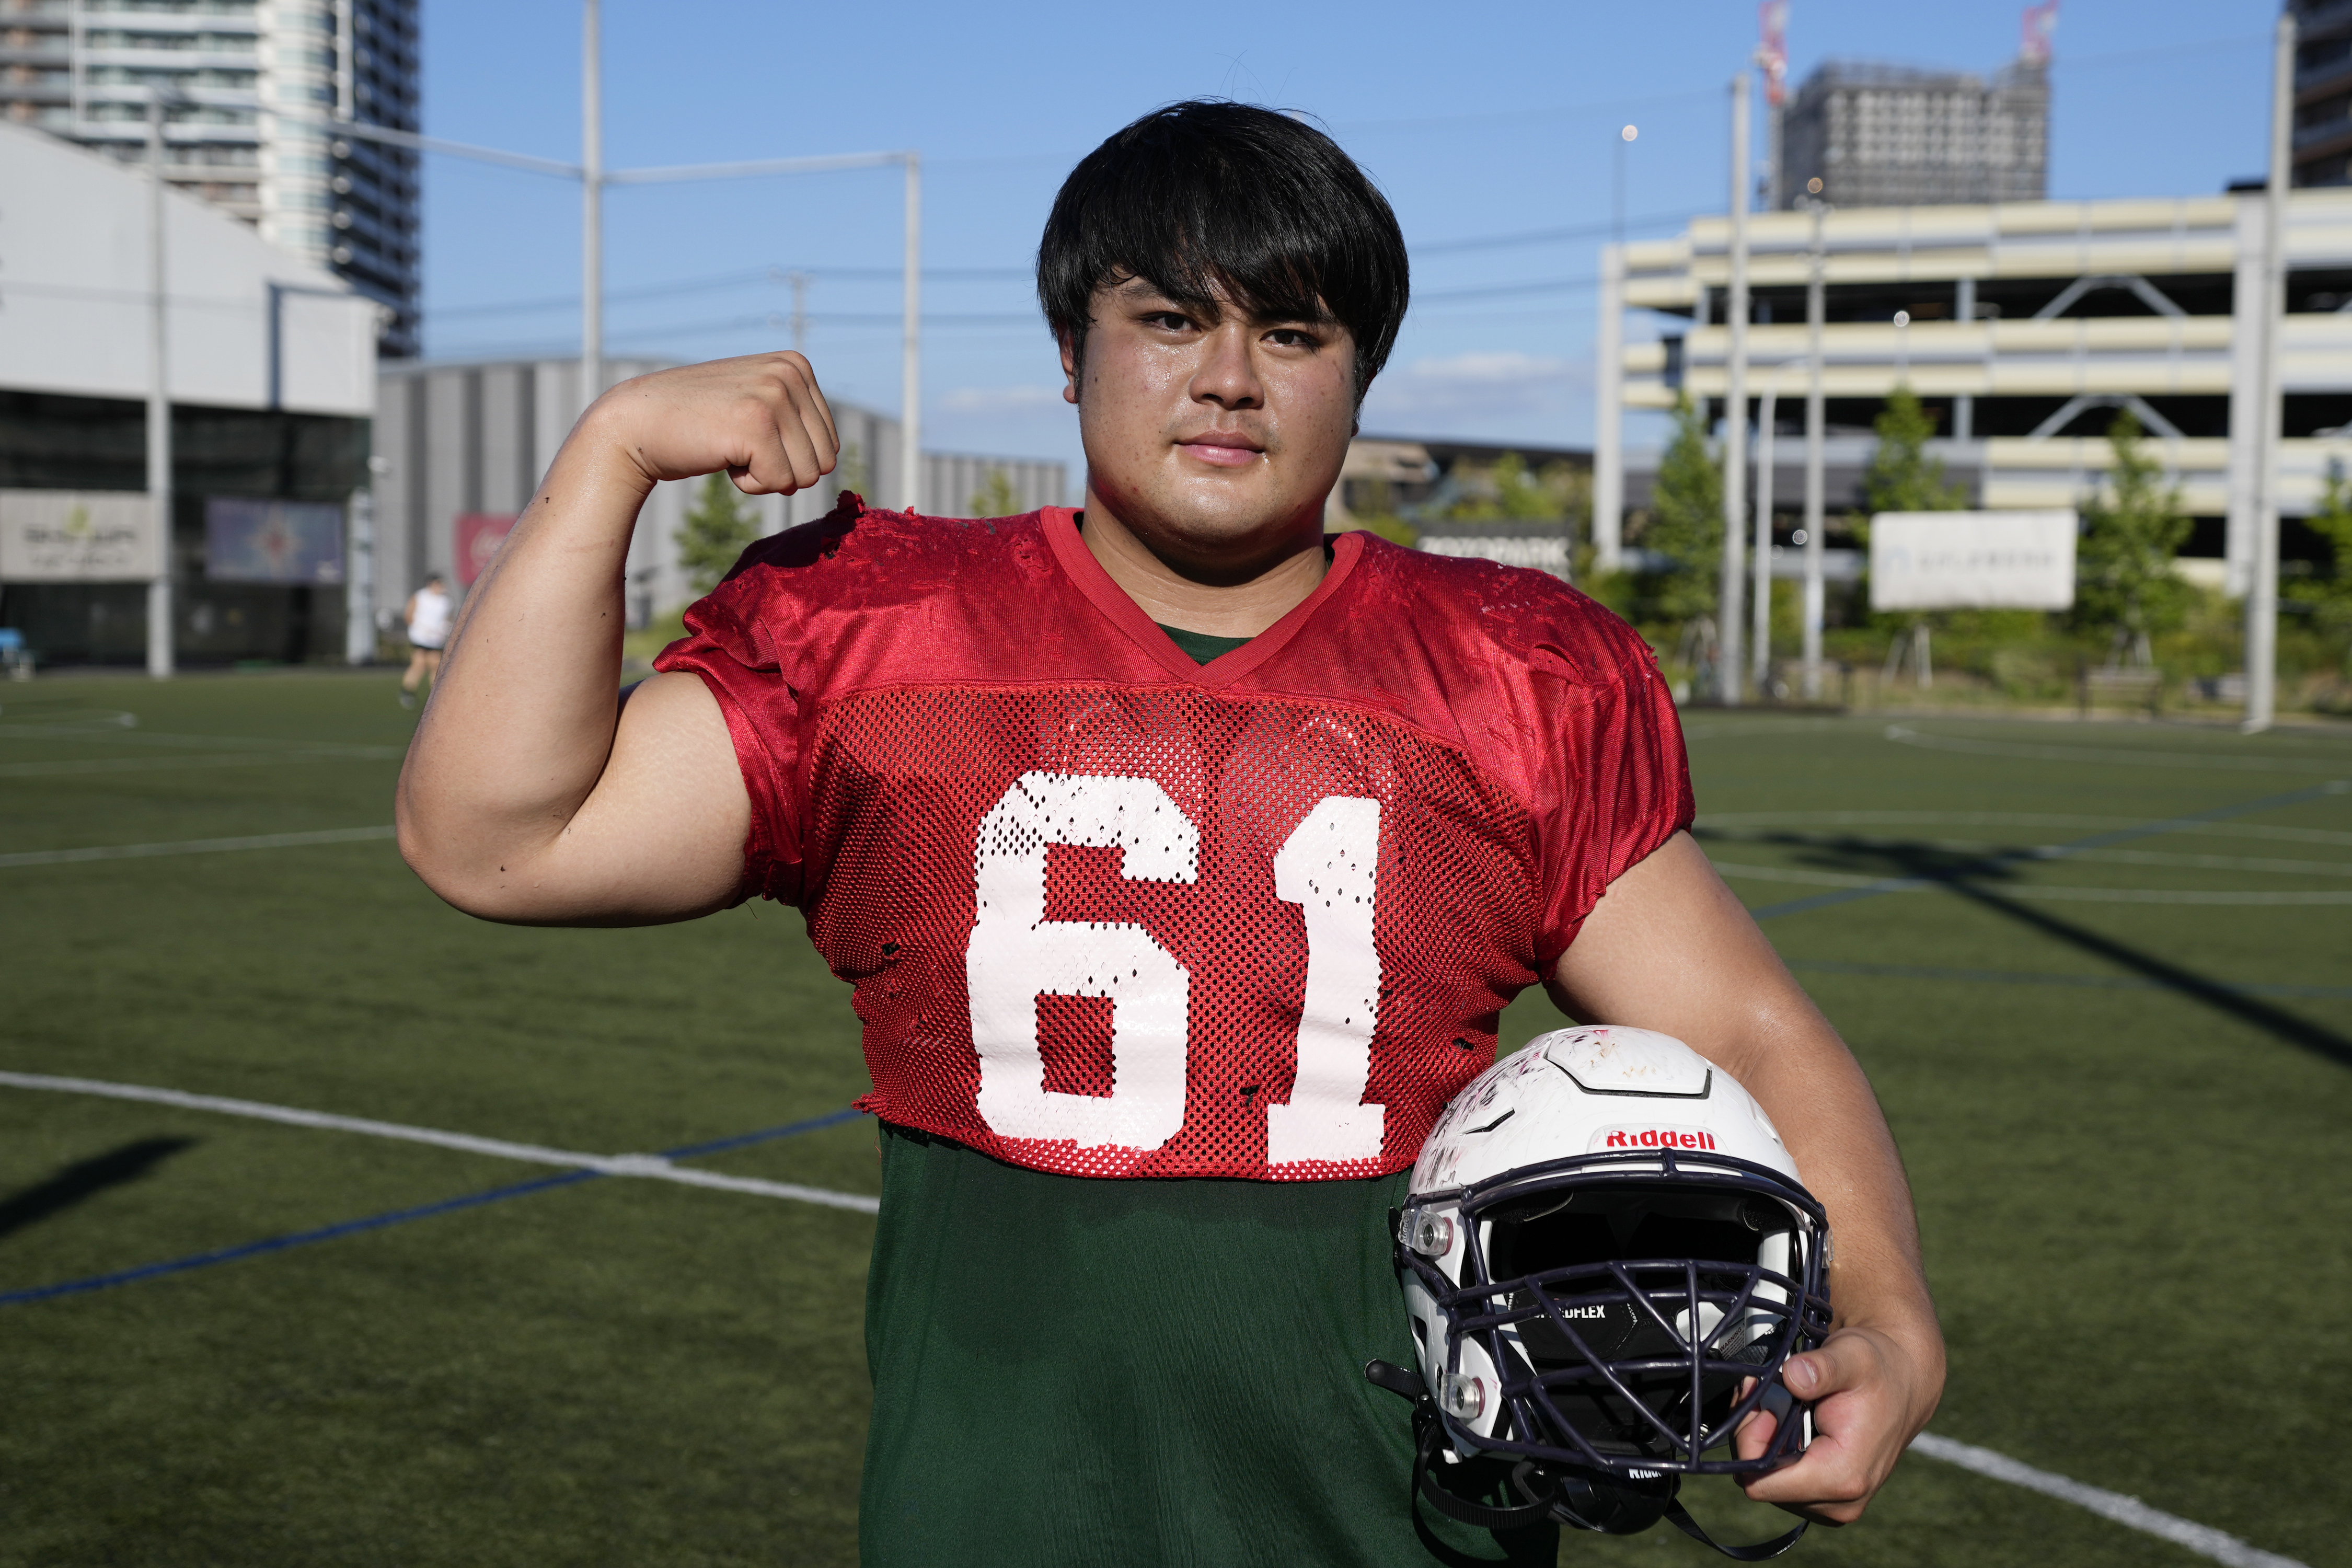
x: 760, y: 417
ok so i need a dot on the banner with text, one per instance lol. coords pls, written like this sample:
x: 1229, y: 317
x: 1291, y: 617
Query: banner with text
x: 1972, y: 559
x: 76, y: 536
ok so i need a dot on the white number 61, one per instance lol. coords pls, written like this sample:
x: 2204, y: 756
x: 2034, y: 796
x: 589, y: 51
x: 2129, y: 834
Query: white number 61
x: 1328, y: 867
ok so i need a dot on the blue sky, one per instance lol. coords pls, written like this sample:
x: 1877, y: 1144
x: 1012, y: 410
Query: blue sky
x: 1481, y: 121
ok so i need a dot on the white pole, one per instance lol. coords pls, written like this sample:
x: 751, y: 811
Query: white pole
x: 2261, y: 596
x: 800, y: 312
x: 359, y: 579
x: 1815, y: 595
x: 592, y: 203
x: 1607, y: 415
x: 1760, y: 567
x: 910, y: 386
x: 160, y: 661
x: 1734, y: 413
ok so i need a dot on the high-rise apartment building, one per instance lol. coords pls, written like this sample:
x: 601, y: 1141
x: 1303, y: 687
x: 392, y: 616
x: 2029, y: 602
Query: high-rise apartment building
x: 247, y: 85
x: 2322, y: 91
x: 1892, y: 136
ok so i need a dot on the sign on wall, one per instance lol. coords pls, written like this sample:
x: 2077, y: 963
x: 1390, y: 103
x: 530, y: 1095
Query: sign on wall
x: 76, y: 536
x: 479, y: 536
x: 1972, y: 559
x: 273, y: 540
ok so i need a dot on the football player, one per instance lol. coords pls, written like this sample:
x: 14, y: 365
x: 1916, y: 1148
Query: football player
x: 1182, y: 858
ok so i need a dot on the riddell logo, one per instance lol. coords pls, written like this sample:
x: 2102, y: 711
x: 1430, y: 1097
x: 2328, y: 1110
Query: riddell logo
x: 1653, y: 1138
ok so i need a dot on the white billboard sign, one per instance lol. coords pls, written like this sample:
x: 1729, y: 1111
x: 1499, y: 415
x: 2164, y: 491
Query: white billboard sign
x: 1972, y: 559
x: 76, y: 536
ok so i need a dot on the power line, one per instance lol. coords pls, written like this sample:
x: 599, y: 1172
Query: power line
x: 778, y: 274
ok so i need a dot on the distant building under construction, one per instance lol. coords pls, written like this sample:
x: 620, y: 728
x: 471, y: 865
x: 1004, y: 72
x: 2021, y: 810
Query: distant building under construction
x: 1889, y: 136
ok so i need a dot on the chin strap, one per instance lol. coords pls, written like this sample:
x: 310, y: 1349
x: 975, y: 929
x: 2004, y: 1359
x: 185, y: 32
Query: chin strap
x: 1760, y: 1552
x: 1559, y: 1503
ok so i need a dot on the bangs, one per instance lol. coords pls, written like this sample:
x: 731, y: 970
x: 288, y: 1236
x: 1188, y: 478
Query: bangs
x: 1227, y: 206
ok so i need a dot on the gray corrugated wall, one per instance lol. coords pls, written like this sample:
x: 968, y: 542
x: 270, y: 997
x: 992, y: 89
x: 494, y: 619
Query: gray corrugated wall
x: 459, y: 439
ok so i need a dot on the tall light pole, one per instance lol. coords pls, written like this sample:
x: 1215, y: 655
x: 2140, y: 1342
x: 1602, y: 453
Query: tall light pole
x: 592, y: 203
x: 1626, y: 138
x: 1767, y: 413
x: 910, y: 386
x: 160, y: 660
x: 1735, y: 420
x: 1814, y: 594
x: 2262, y: 595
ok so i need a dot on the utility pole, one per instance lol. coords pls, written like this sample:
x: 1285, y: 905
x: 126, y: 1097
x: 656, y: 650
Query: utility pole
x: 910, y: 393
x: 1813, y: 422
x: 1608, y: 417
x: 2262, y: 595
x: 592, y: 203
x: 160, y: 660
x: 1734, y: 413
x: 800, y: 282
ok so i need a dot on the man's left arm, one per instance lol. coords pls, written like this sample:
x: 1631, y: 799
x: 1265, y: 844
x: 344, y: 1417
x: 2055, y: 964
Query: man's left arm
x: 1669, y: 948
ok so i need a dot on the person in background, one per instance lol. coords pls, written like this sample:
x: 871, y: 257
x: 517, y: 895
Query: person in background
x: 427, y: 619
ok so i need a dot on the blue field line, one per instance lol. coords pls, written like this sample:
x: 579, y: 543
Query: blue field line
x: 2052, y: 851
x: 2023, y: 977
x: 402, y: 1217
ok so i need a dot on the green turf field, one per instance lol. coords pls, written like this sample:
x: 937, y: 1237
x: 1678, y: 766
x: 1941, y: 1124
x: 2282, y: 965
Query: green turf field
x: 2122, y: 1078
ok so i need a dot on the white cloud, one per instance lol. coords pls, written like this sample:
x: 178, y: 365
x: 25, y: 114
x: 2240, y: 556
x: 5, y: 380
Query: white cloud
x: 1001, y: 399
x: 1493, y: 394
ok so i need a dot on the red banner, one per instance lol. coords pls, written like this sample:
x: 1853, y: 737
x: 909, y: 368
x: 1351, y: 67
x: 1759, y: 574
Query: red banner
x: 479, y: 536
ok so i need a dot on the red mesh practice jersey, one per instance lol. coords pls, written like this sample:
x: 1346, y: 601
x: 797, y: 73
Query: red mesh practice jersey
x: 1111, y: 913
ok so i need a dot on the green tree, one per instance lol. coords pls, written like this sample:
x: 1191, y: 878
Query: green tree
x: 1512, y: 490
x: 1686, y: 522
x: 849, y: 472
x: 717, y: 529
x: 1902, y: 476
x: 2124, y: 581
x: 995, y: 497
x: 2333, y: 522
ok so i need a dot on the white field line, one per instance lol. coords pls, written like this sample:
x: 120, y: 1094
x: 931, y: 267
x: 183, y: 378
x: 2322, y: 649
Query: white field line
x: 2058, y: 895
x: 650, y: 1167
x: 194, y: 847
x: 2108, y: 756
x: 2040, y: 852
x: 1730, y: 819
x: 2129, y: 1511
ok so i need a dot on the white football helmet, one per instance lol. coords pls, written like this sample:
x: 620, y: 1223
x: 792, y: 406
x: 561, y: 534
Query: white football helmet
x: 1607, y: 1258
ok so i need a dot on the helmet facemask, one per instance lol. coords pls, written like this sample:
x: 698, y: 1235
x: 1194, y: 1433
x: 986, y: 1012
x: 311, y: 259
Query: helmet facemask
x: 1580, y: 1282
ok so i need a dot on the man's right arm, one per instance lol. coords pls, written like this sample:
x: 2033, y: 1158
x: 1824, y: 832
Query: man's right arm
x: 530, y: 793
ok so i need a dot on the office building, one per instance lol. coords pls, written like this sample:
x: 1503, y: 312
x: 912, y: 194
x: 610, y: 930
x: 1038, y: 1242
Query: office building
x: 2323, y: 92
x: 271, y: 373
x: 248, y: 87
x: 1882, y: 135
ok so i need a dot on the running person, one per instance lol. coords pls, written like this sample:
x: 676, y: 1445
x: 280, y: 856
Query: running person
x: 426, y: 620
x: 1183, y: 860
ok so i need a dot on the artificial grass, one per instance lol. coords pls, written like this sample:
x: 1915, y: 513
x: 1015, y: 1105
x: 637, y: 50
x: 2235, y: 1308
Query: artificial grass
x: 2131, y: 1199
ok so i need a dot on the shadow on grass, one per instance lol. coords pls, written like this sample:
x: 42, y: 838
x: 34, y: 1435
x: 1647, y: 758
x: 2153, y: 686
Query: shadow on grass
x: 85, y: 1178
x: 1975, y: 876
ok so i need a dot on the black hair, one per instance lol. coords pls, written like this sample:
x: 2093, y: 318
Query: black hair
x: 1206, y: 196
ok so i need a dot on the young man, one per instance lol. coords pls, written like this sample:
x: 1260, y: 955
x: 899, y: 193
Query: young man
x: 426, y: 621
x: 1183, y: 860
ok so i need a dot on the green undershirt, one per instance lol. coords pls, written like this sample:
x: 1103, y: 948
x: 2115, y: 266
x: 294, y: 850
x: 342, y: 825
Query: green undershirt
x: 1070, y: 1372
x: 1201, y: 648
